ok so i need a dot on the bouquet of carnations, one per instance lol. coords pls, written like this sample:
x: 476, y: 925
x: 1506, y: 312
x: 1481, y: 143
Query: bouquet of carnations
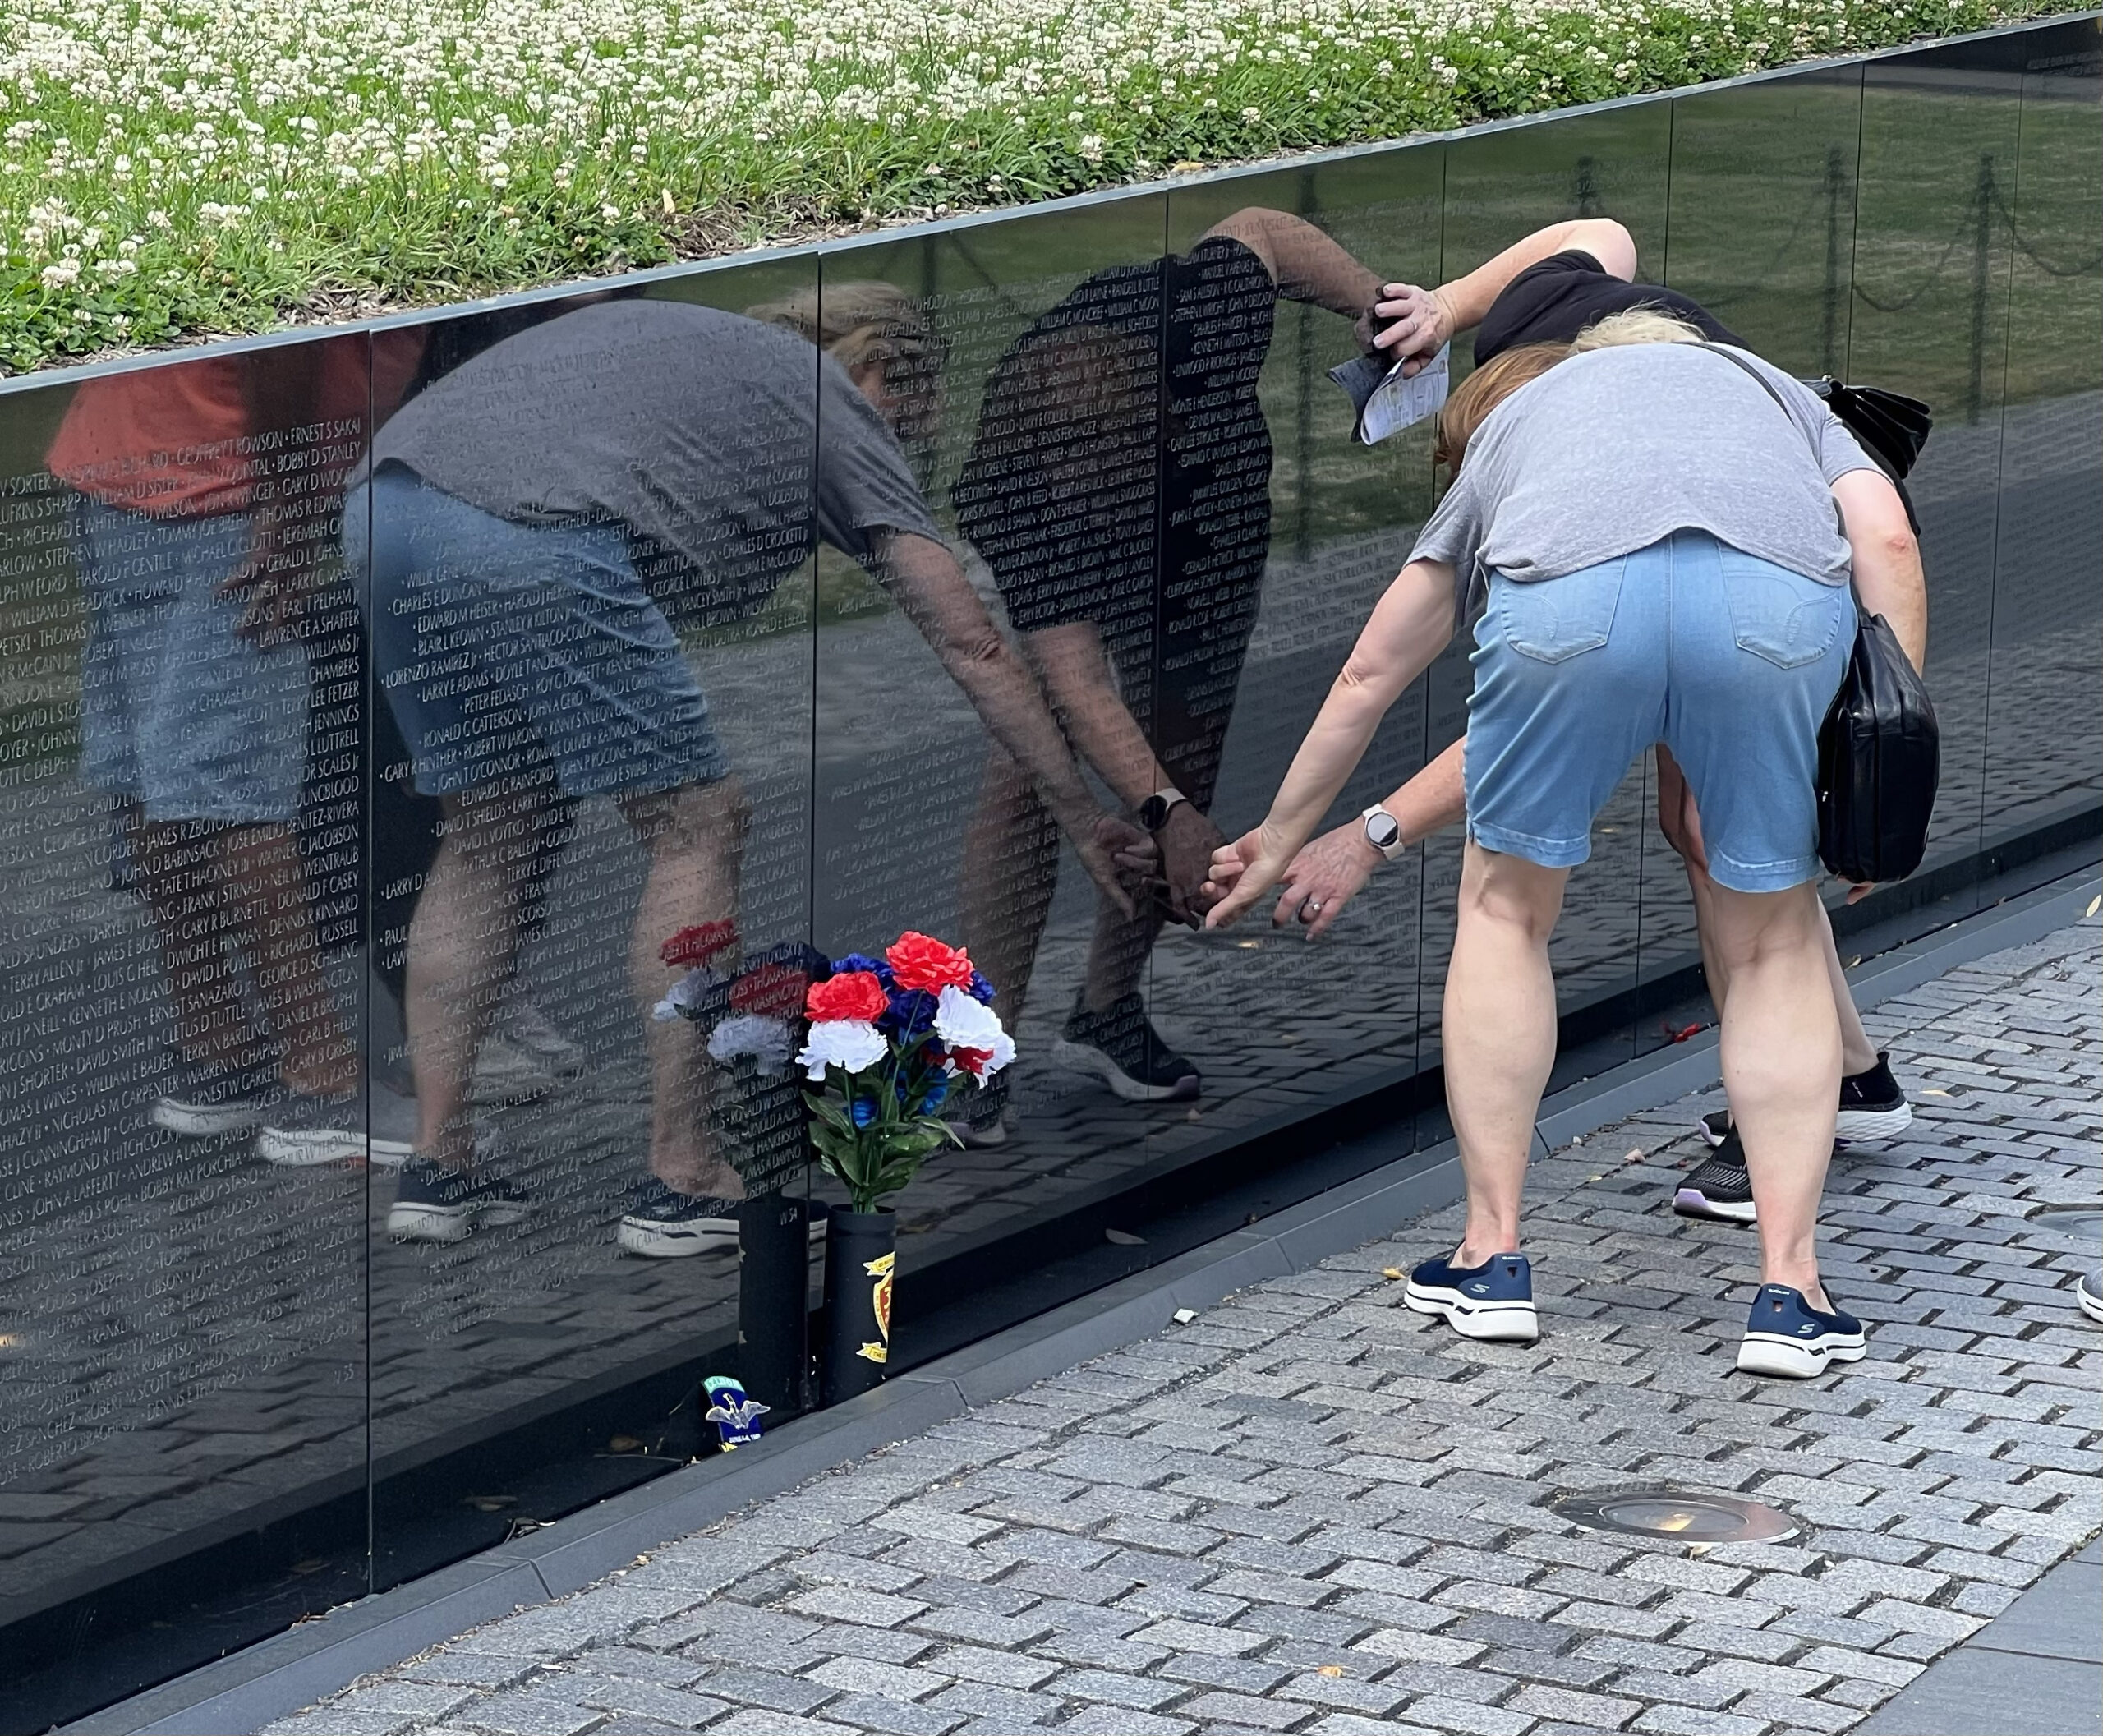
x: 889, y: 1040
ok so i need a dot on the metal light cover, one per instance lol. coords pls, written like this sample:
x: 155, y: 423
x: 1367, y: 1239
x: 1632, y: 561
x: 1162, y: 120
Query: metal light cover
x: 1682, y: 1515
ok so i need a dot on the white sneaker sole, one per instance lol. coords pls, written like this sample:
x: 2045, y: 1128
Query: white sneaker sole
x: 205, y: 1121
x: 1850, y: 1124
x: 1873, y: 1124
x: 1691, y: 1202
x: 420, y: 1222
x: 674, y: 1241
x: 1490, y: 1322
x: 1081, y: 1058
x: 1793, y: 1359
x: 2091, y: 1304
x: 302, y: 1148
x: 440, y: 1224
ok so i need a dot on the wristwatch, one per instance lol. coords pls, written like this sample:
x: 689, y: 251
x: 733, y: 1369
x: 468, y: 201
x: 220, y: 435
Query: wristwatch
x: 1384, y: 831
x: 1154, y: 811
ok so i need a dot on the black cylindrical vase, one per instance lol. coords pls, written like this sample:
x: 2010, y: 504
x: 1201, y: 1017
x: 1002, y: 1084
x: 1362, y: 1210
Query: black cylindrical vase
x: 861, y: 1249
x: 774, y: 1281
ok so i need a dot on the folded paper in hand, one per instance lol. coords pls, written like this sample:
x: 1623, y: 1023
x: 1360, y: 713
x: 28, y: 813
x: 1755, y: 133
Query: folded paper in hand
x: 1386, y: 401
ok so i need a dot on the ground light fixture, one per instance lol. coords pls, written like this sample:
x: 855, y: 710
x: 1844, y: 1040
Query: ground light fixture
x: 1677, y: 1515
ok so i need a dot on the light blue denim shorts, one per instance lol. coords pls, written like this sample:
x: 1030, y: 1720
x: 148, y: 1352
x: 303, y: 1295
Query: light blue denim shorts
x: 510, y: 651
x: 179, y: 712
x: 1729, y: 660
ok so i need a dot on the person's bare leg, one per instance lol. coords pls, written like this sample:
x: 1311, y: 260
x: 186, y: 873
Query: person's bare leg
x: 462, y: 943
x: 1499, y: 1035
x: 695, y: 836
x: 1781, y: 1057
x: 1858, y: 1054
x: 178, y: 867
x: 266, y: 895
x: 1117, y: 954
x: 1010, y: 872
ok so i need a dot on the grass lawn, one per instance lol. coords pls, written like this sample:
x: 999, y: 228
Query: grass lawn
x: 175, y: 168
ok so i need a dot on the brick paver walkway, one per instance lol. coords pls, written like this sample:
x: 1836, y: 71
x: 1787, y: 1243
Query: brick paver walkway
x: 1310, y: 1510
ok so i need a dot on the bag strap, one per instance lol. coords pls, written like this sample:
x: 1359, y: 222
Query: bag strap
x: 1768, y: 386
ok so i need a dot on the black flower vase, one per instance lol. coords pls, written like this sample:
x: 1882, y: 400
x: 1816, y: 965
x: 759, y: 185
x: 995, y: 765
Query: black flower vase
x: 861, y: 1249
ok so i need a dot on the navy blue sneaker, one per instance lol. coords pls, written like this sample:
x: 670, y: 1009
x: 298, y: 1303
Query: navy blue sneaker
x: 1786, y: 1337
x: 432, y: 1203
x: 663, y: 1224
x: 1492, y: 1301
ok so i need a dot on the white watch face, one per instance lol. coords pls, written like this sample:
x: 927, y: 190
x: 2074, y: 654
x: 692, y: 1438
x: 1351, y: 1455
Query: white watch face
x: 1382, y: 830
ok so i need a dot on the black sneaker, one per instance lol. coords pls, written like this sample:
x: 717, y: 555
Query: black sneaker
x: 1872, y: 1107
x: 661, y: 1224
x: 436, y: 1205
x: 1720, y: 1189
x: 200, y: 1098
x: 1123, y: 1047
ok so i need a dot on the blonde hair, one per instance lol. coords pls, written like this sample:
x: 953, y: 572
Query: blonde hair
x: 860, y: 322
x: 1469, y: 407
x: 1649, y: 323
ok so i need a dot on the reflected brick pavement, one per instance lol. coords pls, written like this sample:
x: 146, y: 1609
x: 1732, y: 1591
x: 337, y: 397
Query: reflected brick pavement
x: 1312, y: 1511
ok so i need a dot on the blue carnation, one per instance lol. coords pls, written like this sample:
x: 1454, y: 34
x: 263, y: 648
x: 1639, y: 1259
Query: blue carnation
x: 979, y: 989
x: 863, y: 1111
x: 876, y: 968
x: 912, y: 1012
x: 938, y: 1090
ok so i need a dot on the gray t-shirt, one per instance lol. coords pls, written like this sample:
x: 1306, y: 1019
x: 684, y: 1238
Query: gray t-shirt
x: 1616, y: 449
x: 697, y: 430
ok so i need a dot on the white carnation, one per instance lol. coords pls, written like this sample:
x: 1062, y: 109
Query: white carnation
x: 850, y: 1044
x: 963, y: 1023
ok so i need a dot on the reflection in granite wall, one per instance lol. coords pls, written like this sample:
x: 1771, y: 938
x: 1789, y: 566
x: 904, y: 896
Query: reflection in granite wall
x: 376, y: 709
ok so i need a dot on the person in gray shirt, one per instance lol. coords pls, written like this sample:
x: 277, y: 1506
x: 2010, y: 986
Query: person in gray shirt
x: 538, y: 519
x: 1652, y: 544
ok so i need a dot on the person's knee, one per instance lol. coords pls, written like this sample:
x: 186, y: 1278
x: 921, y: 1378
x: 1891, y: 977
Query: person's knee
x: 1520, y: 897
x: 1750, y: 929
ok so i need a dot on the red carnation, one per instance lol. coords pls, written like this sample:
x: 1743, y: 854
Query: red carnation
x: 920, y: 961
x: 853, y: 994
x: 774, y: 989
x: 699, y: 944
x: 972, y: 1061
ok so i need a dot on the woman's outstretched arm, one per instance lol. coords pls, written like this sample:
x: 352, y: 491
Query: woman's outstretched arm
x: 1411, y: 625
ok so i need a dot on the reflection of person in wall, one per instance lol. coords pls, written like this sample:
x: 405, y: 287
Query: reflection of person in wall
x: 1544, y: 289
x: 1118, y: 489
x: 517, y: 505
x: 1643, y: 533
x: 203, y: 541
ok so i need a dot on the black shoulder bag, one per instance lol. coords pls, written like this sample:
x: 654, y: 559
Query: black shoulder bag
x: 1879, y: 752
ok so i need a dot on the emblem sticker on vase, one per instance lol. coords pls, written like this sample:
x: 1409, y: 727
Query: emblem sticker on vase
x: 880, y: 1269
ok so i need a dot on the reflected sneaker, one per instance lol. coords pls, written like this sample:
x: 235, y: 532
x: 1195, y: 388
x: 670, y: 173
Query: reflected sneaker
x: 2088, y: 1293
x: 1123, y: 1048
x: 201, y: 1098
x: 300, y: 1130
x: 522, y: 1057
x: 663, y: 1224
x: 1493, y: 1301
x: 986, y: 1123
x: 1789, y: 1338
x: 1872, y: 1107
x: 1720, y: 1188
x: 446, y: 1205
